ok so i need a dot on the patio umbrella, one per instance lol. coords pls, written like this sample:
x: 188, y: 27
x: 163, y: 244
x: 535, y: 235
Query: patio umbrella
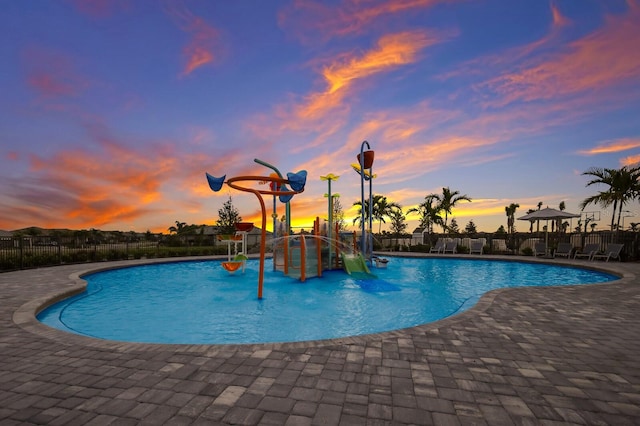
x: 548, y: 214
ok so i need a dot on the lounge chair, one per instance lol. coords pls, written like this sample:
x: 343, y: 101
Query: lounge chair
x: 476, y: 247
x: 450, y: 247
x: 540, y: 249
x: 588, y: 251
x: 499, y: 246
x: 564, y: 249
x: 438, y: 248
x: 612, y: 252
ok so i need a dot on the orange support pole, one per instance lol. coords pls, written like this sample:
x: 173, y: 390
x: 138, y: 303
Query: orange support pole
x: 257, y: 193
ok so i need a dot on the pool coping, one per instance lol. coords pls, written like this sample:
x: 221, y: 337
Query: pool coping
x: 25, y: 315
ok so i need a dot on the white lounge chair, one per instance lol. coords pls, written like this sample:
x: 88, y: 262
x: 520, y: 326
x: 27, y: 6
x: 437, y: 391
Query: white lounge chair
x: 564, y: 249
x: 438, y: 248
x: 450, y: 247
x: 540, y: 249
x: 499, y: 246
x: 588, y: 251
x: 476, y: 247
x: 612, y: 252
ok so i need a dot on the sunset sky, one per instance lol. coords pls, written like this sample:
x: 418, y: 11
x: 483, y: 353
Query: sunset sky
x: 111, y: 111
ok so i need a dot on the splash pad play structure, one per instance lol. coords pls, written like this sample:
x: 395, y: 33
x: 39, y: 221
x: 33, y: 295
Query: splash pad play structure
x: 239, y: 238
x: 299, y: 256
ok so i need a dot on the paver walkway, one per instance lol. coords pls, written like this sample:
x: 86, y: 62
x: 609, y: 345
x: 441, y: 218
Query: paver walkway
x: 531, y: 356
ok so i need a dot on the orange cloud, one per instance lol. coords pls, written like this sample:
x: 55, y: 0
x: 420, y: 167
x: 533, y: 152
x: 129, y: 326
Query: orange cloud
x: 200, y: 49
x: 632, y: 160
x: 316, y: 21
x: 608, y: 147
x: 77, y: 188
x: 392, y: 51
x: 602, y: 60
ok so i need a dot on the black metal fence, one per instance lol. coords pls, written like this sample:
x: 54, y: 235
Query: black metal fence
x: 25, y: 252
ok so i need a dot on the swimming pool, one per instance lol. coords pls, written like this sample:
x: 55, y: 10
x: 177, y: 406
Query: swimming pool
x: 198, y: 302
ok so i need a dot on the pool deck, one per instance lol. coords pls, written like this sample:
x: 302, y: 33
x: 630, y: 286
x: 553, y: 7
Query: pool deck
x: 527, y: 356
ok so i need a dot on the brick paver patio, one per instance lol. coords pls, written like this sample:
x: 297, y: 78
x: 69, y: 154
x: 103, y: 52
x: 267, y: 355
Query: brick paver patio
x: 537, y: 356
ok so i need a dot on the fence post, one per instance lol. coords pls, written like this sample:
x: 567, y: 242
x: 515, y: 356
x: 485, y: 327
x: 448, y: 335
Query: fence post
x: 20, y: 244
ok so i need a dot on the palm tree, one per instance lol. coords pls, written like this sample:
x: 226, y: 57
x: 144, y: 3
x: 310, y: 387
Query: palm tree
x: 531, y: 221
x: 428, y: 213
x: 178, y: 229
x: 538, y: 222
x: 557, y: 224
x: 623, y: 186
x: 381, y: 209
x: 367, y: 212
x: 448, y: 200
x: 510, y: 210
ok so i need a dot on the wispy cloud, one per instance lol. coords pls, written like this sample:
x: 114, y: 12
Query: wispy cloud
x: 391, y: 51
x: 52, y: 74
x: 314, y: 22
x: 202, y: 47
x: 324, y: 112
x: 599, y: 61
x: 612, y: 146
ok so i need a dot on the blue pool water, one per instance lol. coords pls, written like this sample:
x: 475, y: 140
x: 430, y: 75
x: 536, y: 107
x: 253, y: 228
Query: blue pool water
x: 198, y: 302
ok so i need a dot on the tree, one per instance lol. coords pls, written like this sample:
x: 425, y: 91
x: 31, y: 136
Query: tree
x: 471, y: 228
x: 537, y: 221
x: 228, y: 216
x: 447, y: 201
x: 428, y: 213
x: 623, y: 186
x: 510, y: 210
x: 398, y: 224
x: 178, y: 229
x: 367, y: 212
x: 338, y: 215
x: 558, y: 222
x: 381, y: 209
x: 531, y: 221
x: 453, y: 228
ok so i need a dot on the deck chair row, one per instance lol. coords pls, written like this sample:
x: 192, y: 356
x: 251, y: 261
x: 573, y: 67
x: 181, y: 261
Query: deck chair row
x: 589, y: 251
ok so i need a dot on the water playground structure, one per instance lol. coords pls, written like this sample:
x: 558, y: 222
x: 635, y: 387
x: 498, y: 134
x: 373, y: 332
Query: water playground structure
x: 302, y: 255
x: 239, y: 238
